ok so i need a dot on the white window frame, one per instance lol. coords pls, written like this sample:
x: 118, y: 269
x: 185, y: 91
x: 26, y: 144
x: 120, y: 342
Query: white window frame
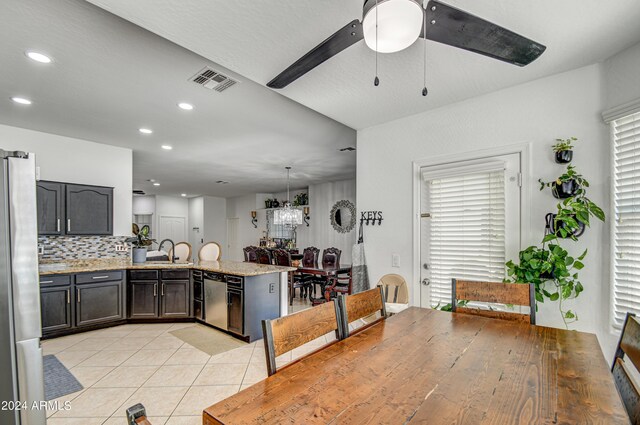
x: 610, y: 117
x: 524, y: 149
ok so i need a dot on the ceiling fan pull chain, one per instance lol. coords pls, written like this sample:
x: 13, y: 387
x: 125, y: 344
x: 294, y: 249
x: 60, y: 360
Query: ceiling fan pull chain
x: 376, y: 81
x: 424, y: 24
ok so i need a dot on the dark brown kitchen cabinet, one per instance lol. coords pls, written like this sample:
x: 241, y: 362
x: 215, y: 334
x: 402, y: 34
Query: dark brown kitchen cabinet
x: 157, y: 294
x: 174, y: 300
x: 56, y: 308
x: 143, y: 299
x: 50, y: 208
x: 89, y: 210
x: 99, y: 302
x: 74, y: 209
x: 69, y: 303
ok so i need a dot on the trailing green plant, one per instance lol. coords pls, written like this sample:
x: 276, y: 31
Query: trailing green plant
x: 553, y: 273
x: 564, y: 144
x: 301, y: 199
x: 573, y: 210
x: 570, y: 175
x: 141, y: 237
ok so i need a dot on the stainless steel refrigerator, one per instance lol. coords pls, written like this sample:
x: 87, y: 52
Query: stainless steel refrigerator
x: 20, y: 329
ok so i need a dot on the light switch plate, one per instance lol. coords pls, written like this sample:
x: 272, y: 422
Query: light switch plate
x: 395, y: 260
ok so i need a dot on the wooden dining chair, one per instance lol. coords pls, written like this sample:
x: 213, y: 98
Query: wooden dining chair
x: 210, y: 251
x: 359, y: 306
x: 250, y: 254
x: 282, y: 257
x: 330, y: 258
x: 494, y: 292
x: 283, y: 334
x: 396, y: 293
x: 629, y: 346
x: 263, y: 256
x: 182, y: 252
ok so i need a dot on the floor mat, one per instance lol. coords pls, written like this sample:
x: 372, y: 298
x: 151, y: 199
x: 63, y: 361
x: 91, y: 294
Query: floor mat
x: 58, y: 381
x: 207, y: 339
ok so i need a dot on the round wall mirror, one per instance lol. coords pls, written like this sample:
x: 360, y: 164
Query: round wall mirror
x: 343, y: 216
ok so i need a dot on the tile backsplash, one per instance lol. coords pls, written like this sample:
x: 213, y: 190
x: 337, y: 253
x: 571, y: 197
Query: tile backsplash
x: 75, y: 247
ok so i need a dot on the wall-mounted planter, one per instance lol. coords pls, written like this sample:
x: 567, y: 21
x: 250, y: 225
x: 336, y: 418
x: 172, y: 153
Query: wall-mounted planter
x: 576, y: 233
x: 564, y: 157
x: 565, y: 189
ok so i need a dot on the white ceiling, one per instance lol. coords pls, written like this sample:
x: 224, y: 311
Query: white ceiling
x: 260, y: 38
x: 110, y: 77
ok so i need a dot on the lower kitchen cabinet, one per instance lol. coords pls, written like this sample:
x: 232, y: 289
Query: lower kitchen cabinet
x: 99, y: 302
x: 143, y: 299
x: 56, y: 308
x: 235, y: 312
x: 174, y: 300
x: 86, y: 300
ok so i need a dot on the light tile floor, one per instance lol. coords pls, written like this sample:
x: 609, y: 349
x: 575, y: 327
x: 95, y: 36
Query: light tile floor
x: 144, y: 363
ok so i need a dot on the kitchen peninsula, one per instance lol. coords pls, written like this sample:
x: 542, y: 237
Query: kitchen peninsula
x: 86, y: 294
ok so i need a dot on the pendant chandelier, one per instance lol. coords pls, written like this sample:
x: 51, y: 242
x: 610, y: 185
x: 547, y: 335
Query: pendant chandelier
x: 287, y: 216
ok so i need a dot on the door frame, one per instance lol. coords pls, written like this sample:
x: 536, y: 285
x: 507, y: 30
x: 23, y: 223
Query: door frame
x: 524, y: 149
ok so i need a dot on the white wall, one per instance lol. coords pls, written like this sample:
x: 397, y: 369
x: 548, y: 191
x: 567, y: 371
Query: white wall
x: 196, y: 224
x: 563, y: 105
x: 144, y: 204
x: 240, y: 208
x: 79, y: 161
x: 215, y: 222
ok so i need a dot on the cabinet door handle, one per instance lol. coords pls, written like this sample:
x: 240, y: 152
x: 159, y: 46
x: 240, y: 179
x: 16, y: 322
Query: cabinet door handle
x: 78, y: 294
x: 228, y: 298
x: 162, y: 290
x: 46, y: 281
x: 68, y: 225
x: 155, y: 289
x: 68, y: 296
x: 57, y: 225
x: 100, y: 277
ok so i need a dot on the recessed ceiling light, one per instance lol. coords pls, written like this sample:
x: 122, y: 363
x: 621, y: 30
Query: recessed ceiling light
x: 21, y: 100
x: 145, y: 131
x: 185, y: 106
x: 156, y: 184
x: 183, y: 194
x: 38, y: 57
x: 167, y: 147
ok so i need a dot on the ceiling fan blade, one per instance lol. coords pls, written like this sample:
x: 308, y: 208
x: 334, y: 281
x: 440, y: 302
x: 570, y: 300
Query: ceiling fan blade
x: 455, y: 27
x: 345, y: 37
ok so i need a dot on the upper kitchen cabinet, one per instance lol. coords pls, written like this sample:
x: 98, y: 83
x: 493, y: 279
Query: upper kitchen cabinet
x: 50, y: 208
x: 73, y: 209
x: 89, y: 210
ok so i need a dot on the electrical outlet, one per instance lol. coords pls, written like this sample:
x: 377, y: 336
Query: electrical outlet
x: 395, y: 260
x: 121, y: 248
x: 272, y: 288
x: 40, y: 250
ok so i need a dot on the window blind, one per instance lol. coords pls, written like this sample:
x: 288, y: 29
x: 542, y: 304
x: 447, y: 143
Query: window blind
x: 626, y: 225
x: 466, y: 230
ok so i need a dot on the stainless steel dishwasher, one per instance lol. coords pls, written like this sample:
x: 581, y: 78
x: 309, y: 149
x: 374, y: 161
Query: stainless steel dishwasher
x: 215, y: 300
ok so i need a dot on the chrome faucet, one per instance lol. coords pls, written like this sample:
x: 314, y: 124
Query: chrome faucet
x: 173, y: 249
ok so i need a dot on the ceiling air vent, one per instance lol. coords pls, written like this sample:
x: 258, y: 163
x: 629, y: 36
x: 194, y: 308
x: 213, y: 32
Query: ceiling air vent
x: 347, y: 149
x: 213, y: 80
x: 138, y: 192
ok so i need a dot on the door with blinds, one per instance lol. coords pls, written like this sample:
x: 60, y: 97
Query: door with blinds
x: 626, y: 223
x: 469, y: 225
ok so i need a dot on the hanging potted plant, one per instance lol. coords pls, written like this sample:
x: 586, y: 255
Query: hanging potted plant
x: 567, y: 185
x: 554, y: 274
x: 564, y: 150
x: 140, y: 241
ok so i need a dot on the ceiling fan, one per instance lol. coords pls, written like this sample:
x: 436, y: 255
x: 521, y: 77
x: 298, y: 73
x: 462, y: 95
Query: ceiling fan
x: 392, y: 25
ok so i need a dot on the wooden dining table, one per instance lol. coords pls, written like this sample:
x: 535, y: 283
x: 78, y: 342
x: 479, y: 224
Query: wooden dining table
x: 429, y: 366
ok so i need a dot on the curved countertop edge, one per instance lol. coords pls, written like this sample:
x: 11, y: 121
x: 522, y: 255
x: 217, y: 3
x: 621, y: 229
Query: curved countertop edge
x: 236, y: 268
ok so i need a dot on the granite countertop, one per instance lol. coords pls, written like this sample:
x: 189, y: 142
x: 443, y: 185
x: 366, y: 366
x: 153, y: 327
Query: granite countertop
x: 93, y: 265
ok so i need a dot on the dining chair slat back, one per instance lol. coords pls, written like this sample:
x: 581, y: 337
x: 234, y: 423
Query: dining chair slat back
x: 395, y: 288
x: 285, y: 333
x: 359, y: 306
x: 520, y: 294
x: 629, y: 346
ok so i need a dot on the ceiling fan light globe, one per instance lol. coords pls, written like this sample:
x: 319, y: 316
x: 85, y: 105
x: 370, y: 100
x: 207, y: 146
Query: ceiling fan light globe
x: 399, y: 24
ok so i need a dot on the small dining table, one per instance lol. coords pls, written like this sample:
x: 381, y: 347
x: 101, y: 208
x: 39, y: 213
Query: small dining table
x: 429, y: 366
x: 329, y: 273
